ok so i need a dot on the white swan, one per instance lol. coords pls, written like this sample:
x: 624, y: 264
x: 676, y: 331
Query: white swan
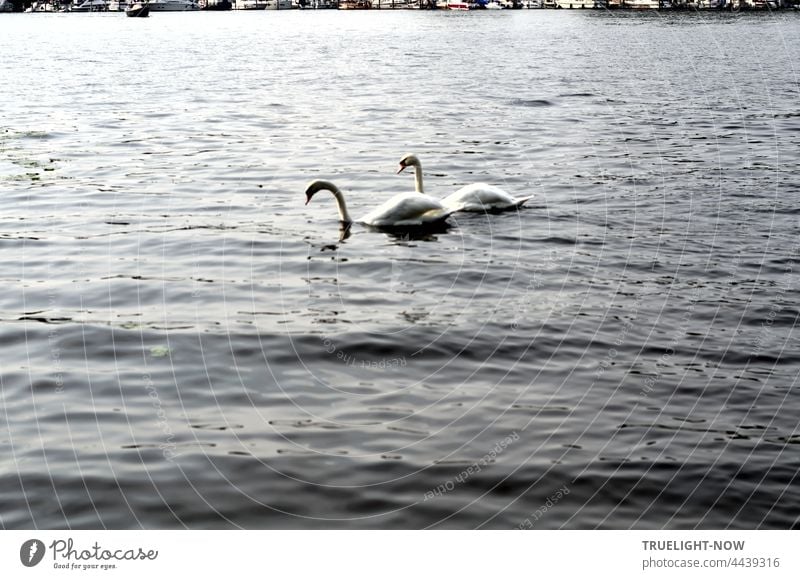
x: 402, y: 210
x: 476, y: 197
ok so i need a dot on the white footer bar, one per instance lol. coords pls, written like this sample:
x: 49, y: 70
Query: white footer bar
x: 398, y: 554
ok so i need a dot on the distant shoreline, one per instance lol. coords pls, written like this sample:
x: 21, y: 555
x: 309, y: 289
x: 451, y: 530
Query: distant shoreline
x: 81, y: 6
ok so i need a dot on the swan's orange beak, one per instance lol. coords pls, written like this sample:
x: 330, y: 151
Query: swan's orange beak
x: 401, y: 168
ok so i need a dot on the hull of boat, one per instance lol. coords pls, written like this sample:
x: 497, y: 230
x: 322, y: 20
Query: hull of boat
x: 138, y: 11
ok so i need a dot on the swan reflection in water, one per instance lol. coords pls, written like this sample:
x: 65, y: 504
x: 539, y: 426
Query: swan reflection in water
x: 400, y: 234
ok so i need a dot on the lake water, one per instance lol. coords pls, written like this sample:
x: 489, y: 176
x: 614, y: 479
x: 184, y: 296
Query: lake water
x: 185, y: 344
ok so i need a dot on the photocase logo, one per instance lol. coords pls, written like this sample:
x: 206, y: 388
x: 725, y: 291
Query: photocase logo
x: 31, y: 552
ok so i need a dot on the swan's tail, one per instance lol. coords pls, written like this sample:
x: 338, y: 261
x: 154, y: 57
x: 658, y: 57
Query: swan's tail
x: 437, y: 215
x: 521, y: 201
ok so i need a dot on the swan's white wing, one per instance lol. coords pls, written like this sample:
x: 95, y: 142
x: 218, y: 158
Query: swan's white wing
x: 406, y: 209
x: 479, y: 197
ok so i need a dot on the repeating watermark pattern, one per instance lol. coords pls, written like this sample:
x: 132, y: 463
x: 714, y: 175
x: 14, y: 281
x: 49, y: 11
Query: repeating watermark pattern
x: 622, y: 335
x: 400, y: 265
x: 197, y: 272
x: 55, y: 349
x: 526, y: 302
x: 787, y: 285
x: 549, y: 504
x: 168, y: 447
x: 474, y: 468
x: 678, y: 334
x: 354, y: 361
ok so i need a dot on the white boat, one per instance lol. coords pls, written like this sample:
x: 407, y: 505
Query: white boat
x: 173, y: 5
x: 591, y: 3
x: 44, y: 6
x: 355, y: 4
x: 457, y: 5
x: 641, y: 4
x: 118, y: 5
x: 494, y: 5
x: 91, y: 6
x: 138, y: 10
x: 278, y: 5
x: 394, y: 4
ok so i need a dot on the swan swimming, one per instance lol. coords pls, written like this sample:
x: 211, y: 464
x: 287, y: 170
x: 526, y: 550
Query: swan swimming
x: 478, y: 197
x: 402, y: 210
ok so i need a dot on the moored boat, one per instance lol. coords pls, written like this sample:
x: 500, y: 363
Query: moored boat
x: 355, y: 5
x: 43, y: 6
x: 91, y: 6
x: 593, y: 3
x: 138, y: 10
x: 173, y: 5
x: 216, y: 5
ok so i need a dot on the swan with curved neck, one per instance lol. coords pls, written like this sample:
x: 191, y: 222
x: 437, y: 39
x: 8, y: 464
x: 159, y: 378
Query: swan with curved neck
x: 412, y: 161
x: 478, y: 197
x: 402, y: 210
x: 320, y: 185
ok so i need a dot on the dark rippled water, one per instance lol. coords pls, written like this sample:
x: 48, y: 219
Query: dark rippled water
x: 185, y: 344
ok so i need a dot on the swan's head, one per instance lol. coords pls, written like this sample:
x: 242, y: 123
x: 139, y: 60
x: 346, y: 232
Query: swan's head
x: 408, y: 161
x: 317, y: 186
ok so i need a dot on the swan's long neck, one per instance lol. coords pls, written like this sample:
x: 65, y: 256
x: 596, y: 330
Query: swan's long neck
x: 418, y: 177
x: 344, y: 216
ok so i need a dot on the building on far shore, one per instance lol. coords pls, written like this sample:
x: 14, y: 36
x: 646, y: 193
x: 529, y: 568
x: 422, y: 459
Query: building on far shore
x: 643, y: 4
x: 577, y: 3
x: 118, y: 5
